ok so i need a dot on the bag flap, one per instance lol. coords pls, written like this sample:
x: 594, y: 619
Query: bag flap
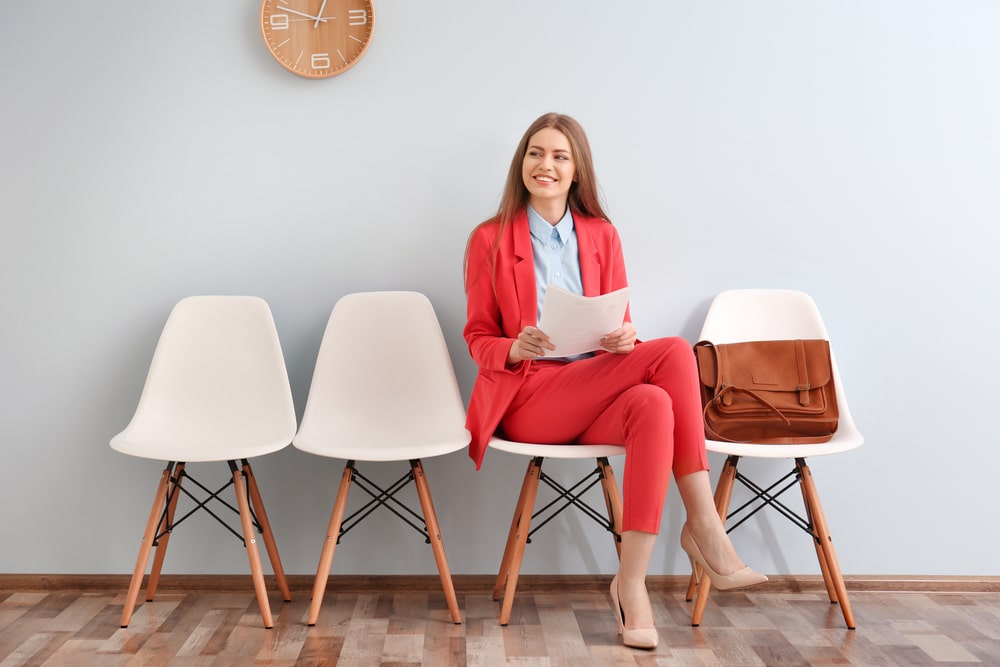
x: 705, y: 356
x: 775, y: 365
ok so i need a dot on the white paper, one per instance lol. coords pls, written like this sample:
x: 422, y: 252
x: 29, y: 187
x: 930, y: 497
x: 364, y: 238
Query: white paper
x: 576, y: 324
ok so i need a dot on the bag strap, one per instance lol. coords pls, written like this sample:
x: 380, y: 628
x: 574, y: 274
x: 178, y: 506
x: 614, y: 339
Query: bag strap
x: 800, y: 364
x: 722, y: 371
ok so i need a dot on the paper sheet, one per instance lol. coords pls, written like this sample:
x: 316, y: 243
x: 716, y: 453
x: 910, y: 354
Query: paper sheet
x: 575, y: 324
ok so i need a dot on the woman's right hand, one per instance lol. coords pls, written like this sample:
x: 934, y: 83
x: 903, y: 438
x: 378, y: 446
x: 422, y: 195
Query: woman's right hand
x: 531, y: 343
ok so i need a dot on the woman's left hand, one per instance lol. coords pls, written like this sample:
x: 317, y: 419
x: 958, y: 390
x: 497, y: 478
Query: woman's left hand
x: 621, y: 340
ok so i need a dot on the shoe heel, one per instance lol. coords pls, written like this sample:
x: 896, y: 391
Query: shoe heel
x: 618, y: 605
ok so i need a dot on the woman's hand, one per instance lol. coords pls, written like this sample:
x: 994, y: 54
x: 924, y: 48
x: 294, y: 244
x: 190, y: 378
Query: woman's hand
x: 529, y: 344
x: 621, y: 340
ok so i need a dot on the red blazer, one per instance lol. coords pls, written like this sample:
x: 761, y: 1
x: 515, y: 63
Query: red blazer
x: 496, y: 316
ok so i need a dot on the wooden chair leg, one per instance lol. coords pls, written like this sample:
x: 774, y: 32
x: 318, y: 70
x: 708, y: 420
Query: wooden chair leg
x: 253, y: 555
x: 330, y: 543
x: 160, y: 551
x: 146, y: 546
x: 265, y: 526
x: 434, y: 533
x: 613, y: 500
x: 822, y: 532
x: 824, y: 568
x: 501, y: 581
x: 723, y: 496
x: 517, y: 539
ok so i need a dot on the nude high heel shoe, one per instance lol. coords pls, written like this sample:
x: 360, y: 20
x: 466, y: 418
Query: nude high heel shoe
x: 743, y: 578
x: 646, y: 638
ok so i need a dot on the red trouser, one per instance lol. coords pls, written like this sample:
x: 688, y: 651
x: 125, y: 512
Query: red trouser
x: 647, y: 400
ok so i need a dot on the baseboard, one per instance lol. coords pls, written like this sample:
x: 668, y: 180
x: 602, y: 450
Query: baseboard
x: 477, y: 584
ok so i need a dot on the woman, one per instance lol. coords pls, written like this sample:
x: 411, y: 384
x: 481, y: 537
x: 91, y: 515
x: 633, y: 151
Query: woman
x: 551, y: 229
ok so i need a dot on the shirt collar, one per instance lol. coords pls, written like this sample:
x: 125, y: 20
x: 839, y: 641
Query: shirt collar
x: 542, y: 230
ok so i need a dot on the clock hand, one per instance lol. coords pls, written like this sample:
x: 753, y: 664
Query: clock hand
x: 319, y: 14
x: 318, y: 19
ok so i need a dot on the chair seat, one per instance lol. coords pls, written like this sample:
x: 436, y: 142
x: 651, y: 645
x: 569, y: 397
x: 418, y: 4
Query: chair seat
x: 556, y: 451
x: 193, y: 450
x: 361, y: 448
x: 835, y: 446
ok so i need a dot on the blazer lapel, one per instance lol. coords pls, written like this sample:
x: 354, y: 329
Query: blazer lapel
x: 524, y: 272
x: 590, y: 263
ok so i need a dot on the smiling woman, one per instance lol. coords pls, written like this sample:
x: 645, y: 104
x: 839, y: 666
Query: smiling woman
x: 552, y: 231
x: 321, y: 44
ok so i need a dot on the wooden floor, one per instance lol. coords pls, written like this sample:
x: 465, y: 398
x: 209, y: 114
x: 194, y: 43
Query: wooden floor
x: 372, y: 622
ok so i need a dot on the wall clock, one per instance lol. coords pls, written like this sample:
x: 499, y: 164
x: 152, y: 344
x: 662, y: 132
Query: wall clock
x: 317, y: 38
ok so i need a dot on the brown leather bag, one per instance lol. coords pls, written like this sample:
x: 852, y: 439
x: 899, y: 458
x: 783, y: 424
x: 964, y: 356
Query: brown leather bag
x: 769, y: 392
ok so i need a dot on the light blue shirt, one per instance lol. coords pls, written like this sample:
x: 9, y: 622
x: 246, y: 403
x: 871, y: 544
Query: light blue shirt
x: 557, y: 259
x: 557, y: 255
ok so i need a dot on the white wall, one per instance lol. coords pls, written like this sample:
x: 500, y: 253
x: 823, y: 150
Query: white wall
x: 152, y: 151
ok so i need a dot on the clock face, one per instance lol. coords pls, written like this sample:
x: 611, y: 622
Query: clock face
x: 317, y: 38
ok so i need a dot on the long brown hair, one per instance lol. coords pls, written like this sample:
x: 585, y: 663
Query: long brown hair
x: 583, y: 192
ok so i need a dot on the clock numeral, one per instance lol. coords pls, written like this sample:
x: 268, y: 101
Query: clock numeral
x: 357, y: 17
x: 320, y: 61
x: 279, y: 21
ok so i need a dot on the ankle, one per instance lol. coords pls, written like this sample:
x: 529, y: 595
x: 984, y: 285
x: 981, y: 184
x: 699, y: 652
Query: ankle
x: 705, y: 524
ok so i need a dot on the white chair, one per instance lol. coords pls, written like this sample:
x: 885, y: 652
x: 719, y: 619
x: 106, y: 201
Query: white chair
x: 383, y: 389
x: 566, y: 497
x: 766, y: 314
x: 217, y: 390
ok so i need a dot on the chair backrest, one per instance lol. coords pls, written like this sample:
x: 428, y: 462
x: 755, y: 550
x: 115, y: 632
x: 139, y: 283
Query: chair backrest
x: 217, y: 387
x: 762, y: 314
x: 384, y: 388
x: 777, y: 314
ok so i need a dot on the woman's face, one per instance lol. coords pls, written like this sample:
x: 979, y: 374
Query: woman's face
x: 548, y: 168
